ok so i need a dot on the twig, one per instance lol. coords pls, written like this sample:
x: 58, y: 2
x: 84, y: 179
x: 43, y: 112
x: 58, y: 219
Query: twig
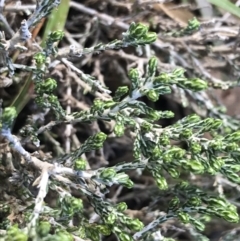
x: 43, y: 184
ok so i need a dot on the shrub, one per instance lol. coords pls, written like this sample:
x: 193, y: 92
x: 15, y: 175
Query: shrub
x: 82, y: 210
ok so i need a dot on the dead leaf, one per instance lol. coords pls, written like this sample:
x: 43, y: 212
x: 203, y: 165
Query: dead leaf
x: 179, y: 15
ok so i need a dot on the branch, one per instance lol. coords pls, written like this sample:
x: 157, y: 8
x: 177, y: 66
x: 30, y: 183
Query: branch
x: 43, y: 184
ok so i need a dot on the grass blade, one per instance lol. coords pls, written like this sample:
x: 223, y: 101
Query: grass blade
x: 227, y: 6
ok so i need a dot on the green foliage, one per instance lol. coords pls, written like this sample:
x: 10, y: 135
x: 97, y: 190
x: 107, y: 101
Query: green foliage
x: 15, y: 234
x: 8, y: 116
x: 153, y: 149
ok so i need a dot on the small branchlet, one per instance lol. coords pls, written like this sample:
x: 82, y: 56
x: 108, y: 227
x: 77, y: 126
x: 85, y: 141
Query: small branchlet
x: 137, y: 34
x: 192, y: 27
